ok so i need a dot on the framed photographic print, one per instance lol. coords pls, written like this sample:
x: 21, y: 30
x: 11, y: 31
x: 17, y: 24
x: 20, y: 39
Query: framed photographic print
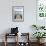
x: 17, y: 13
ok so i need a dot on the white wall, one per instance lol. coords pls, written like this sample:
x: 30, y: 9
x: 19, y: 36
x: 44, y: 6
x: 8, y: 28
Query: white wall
x: 6, y: 15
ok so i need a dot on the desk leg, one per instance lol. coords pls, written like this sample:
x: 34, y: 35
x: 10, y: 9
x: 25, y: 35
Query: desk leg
x: 5, y: 40
x: 17, y: 40
x: 5, y: 43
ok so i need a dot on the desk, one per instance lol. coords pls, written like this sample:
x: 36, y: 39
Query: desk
x: 17, y: 43
x: 8, y: 34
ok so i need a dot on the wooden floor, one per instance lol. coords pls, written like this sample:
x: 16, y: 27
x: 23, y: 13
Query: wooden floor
x: 13, y: 44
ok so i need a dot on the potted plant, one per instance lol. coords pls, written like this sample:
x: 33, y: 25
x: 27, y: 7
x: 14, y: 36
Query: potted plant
x: 39, y: 35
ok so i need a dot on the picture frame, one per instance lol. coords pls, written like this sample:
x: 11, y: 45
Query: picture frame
x: 17, y: 13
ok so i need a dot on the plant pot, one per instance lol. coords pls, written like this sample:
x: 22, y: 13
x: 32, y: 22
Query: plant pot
x: 38, y: 40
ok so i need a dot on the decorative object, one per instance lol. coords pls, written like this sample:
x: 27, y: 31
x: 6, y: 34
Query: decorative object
x: 14, y: 30
x: 17, y: 13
